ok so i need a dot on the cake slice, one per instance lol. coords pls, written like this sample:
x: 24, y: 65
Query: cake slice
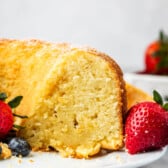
x: 136, y: 95
x: 74, y: 97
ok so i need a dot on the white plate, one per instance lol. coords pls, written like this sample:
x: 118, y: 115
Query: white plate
x: 149, y: 83
x: 53, y: 160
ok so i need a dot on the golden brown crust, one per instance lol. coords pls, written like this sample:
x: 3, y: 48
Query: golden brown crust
x: 136, y: 95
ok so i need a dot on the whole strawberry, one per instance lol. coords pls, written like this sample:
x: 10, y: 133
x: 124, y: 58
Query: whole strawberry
x: 6, y: 114
x: 146, y: 126
x: 6, y: 119
x: 156, y: 56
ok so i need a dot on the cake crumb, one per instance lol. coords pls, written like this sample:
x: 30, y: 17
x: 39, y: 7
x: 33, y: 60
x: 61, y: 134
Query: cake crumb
x: 20, y: 156
x: 103, y: 152
x: 119, y: 159
x: 19, y: 161
x: 31, y: 161
x: 5, y: 151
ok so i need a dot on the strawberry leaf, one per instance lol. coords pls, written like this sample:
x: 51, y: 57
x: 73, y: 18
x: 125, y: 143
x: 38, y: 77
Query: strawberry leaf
x: 157, y: 97
x: 166, y: 98
x: 3, y: 96
x: 15, y: 102
x: 165, y: 106
x: 161, y: 35
x: 16, y: 115
x: 18, y: 126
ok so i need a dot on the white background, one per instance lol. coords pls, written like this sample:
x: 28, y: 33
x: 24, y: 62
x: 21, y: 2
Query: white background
x: 121, y: 28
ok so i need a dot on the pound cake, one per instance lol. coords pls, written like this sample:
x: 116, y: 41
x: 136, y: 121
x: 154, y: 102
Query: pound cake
x: 136, y: 95
x: 74, y: 97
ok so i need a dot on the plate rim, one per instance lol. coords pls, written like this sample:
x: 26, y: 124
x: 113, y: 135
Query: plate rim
x: 83, y: 164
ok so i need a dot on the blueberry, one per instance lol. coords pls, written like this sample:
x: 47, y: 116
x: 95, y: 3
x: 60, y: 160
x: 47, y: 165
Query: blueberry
x: 19, y: 146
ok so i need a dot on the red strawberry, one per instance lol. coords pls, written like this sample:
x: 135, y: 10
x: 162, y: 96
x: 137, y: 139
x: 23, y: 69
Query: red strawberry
x: 156, y: 56
x: 6, y: 119
x: 146, y: 126
x: 6, y: 115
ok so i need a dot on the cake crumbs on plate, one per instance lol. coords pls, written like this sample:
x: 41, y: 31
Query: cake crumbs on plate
x: 103, y: 152
x: 19, y: 161
x: 119, y: 159
x: 31, y: 161
x: 5, y: 152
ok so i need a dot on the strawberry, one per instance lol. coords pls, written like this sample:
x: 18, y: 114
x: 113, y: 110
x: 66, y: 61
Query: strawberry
x: 146, y: 126
x: 6, y: 114
x: 156, y: 56
x: 6, y: 119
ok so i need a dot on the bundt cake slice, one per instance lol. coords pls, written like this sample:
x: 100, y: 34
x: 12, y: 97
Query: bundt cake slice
x: 75, y: 98
x: 136, y: 95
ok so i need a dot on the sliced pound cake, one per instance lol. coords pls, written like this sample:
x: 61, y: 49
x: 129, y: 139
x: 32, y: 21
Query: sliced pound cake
x: 74, y: 97
x: 136, y: 95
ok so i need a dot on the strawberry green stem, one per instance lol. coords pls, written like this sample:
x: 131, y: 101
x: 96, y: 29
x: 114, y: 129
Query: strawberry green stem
x: 158, y: 99
x: 18, y: 126
x: 3, y: 96
x: 16, y: 115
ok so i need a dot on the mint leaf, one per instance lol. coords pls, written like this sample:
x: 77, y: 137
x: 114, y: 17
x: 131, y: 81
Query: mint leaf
x: 3, y: 96
x: 15, y: 102
x: 157, y: 97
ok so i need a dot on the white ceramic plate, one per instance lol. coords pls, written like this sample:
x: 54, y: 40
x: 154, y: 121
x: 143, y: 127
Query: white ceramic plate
x: 149, y: 82
x: 53, y: 160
